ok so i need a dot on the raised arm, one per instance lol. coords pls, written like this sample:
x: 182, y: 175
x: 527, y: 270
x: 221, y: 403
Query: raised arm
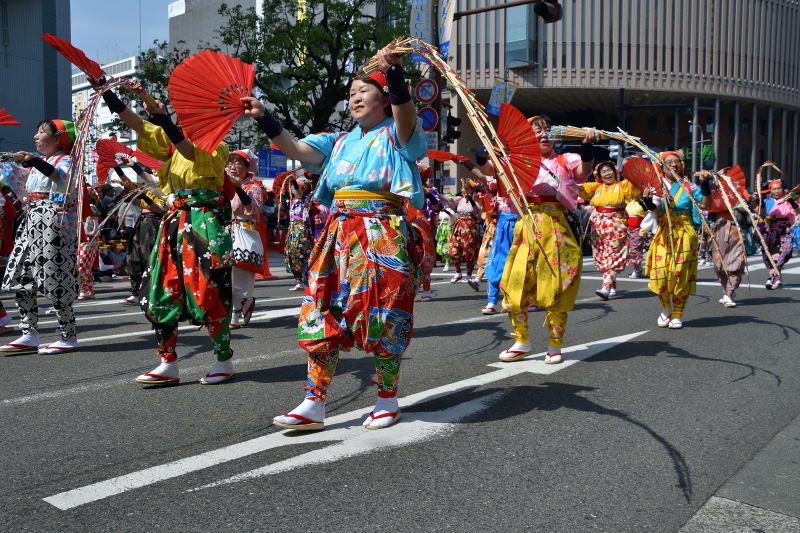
x: 403, y: 110
x: 284, y: 140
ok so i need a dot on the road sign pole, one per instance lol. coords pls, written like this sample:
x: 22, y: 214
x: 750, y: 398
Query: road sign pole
x: 437, y: 103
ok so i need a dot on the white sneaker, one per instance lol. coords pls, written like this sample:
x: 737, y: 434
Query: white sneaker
x: 675, y: 323
x: 130, y: 300
x: 236, y: 320
x: 308, y: 416
x: 777, y: 284
x: 163, y: 374
x: 633, y: 275
x: 298, y: 287
x: 663, y: 320
x: 221, y: 371
x: 728, y: 301
x: 612, y: 293
x: 455, y: 278
x: 59, y: 347
x: 25, y: 343
x: 518, y: 351
x: 446, y: 268
x: 602, y: 293
x: 426, y: 296
x: 489, y: 309
x: 85, y: 296
x: 722, y: 300
x: 768, y: 284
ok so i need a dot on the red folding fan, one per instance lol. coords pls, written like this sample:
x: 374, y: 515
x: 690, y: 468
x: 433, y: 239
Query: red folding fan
x: 280, y: 179
x: 640, y: 172
x: 110, y: 153
x: 6, y: 119
x: 520, y: 144
x: 74, y: 56
x: 442, y: 156
x: 739, y: 182
x: 205, y: 91
x: 150, y: 162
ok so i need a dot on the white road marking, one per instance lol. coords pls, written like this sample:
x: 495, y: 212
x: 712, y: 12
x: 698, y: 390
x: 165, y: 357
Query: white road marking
x: 118, y: 485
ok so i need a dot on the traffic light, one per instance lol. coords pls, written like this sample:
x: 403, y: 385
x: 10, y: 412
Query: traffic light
x: 451, y: 134
x: 548, y: 10
x: 613, y: 151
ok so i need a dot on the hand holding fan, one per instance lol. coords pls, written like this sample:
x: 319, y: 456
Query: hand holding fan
x: 150, y: 162
x: 74, y: 56
x: 205, y: 91
x: 641, y: 174
x: 443, y: 157
x: 6, y: 119
x: 110, y: 153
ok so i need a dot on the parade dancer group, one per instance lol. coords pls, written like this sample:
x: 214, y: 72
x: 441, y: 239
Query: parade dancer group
x: 195, y: 249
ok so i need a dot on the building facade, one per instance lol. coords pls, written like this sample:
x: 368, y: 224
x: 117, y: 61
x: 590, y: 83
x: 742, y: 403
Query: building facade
x: 193, y: 24
x: 34, y: 78
x: 677, y: 73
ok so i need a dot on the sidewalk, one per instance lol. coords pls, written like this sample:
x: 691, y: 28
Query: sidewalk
x: 764, y: 495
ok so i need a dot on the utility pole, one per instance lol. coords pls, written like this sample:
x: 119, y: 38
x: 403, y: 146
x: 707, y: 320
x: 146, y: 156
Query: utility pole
x: 437, y: 103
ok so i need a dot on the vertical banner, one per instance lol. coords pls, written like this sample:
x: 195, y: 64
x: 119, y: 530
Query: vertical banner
x: 421, y: 24
x: 447, y: 9
x: 502, y: 93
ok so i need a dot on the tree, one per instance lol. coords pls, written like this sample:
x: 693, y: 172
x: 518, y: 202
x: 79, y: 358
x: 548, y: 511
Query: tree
x: 306, y: 59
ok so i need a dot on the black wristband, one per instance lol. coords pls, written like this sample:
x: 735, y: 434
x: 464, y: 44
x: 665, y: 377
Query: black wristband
x: 705, y: 188
x: 587, y: 152
x: 119, y: 172
x: 39, y: 164
x: 173, y: 132
x: 113, y: 102
x: 146, y: 199
x: 243, y: 197
x: 269, y: 125
x: 469, y: 164
x: 139, y: 169
x: 398, y: 90
x: 481, y: 155
x: 648, y: 203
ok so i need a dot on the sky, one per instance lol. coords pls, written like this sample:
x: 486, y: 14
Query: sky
x: 108, y: 30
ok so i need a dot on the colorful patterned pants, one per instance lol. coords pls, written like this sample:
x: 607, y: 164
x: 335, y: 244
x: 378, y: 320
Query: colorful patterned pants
x: 496, y: 260
x: 610, y: 246
x: 528, y: 280
x: 298, y: 247
x: 637, y: 246
x: 360, y: 293
x: 464, y: 243
x: 190, y: 274
x: 728, y: 256
x: 486, y: 244
x: 87, y: 254
x: 673, y: 271
x: 778, y: 236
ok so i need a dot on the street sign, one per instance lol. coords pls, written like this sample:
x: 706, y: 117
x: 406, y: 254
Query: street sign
x: 271, y: 162
x: 429, y: 117
x: 432, y: 140
x: 426, y: 91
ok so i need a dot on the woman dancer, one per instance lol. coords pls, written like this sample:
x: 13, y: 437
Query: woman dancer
x: 361, y: 283
x: 728, y: 253
x: 609, y: 221
x: 776, y: 229
x: 298, y: 240
x: 464, y: 239
x: 638, y: 238
x: 672, y: 259
x: 247, y: 212
x: 189, y: 275
x: 444, y: 226
x: 46, y: 247
x: 88, y: 247
x: 8, y: 216
x: 527, y: 278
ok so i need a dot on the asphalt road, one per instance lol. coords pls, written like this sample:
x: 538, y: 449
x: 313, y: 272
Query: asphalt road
x: 641, y: 429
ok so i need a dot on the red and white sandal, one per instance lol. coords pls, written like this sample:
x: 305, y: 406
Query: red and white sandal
x: 304, y: 424
x: 518, y: 351
x: 24, y: 344
x: 59, y: 347
x: 164, y: 374
x: 395, y: 416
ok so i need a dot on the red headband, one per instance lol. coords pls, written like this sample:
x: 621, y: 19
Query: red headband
x: 378, y: 78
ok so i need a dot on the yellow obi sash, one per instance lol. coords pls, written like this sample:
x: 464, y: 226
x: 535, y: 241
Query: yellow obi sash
x: 374, y: 196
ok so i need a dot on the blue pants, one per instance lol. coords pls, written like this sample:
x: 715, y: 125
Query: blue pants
x: 496, y: 261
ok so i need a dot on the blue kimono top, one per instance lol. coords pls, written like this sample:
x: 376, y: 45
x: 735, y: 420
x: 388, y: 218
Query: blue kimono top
x: 374, y: 161
x: 683, y: 202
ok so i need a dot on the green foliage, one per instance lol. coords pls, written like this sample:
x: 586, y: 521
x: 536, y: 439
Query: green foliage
x: 304, y: 66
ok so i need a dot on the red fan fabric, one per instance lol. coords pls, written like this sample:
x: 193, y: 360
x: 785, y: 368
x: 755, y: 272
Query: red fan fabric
x: 739, y: 181
x: 146, y: 160
x: 74, y: 56
x: 520, y: 144
x: 280, y: 179
x: 205, y: 91
x: 640, y: 172
x: 110, y: 153
x: 6, y: 119
x: 443, y: 156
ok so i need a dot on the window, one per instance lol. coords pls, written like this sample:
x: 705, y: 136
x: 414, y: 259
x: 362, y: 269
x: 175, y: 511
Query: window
x: 521, y: 36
